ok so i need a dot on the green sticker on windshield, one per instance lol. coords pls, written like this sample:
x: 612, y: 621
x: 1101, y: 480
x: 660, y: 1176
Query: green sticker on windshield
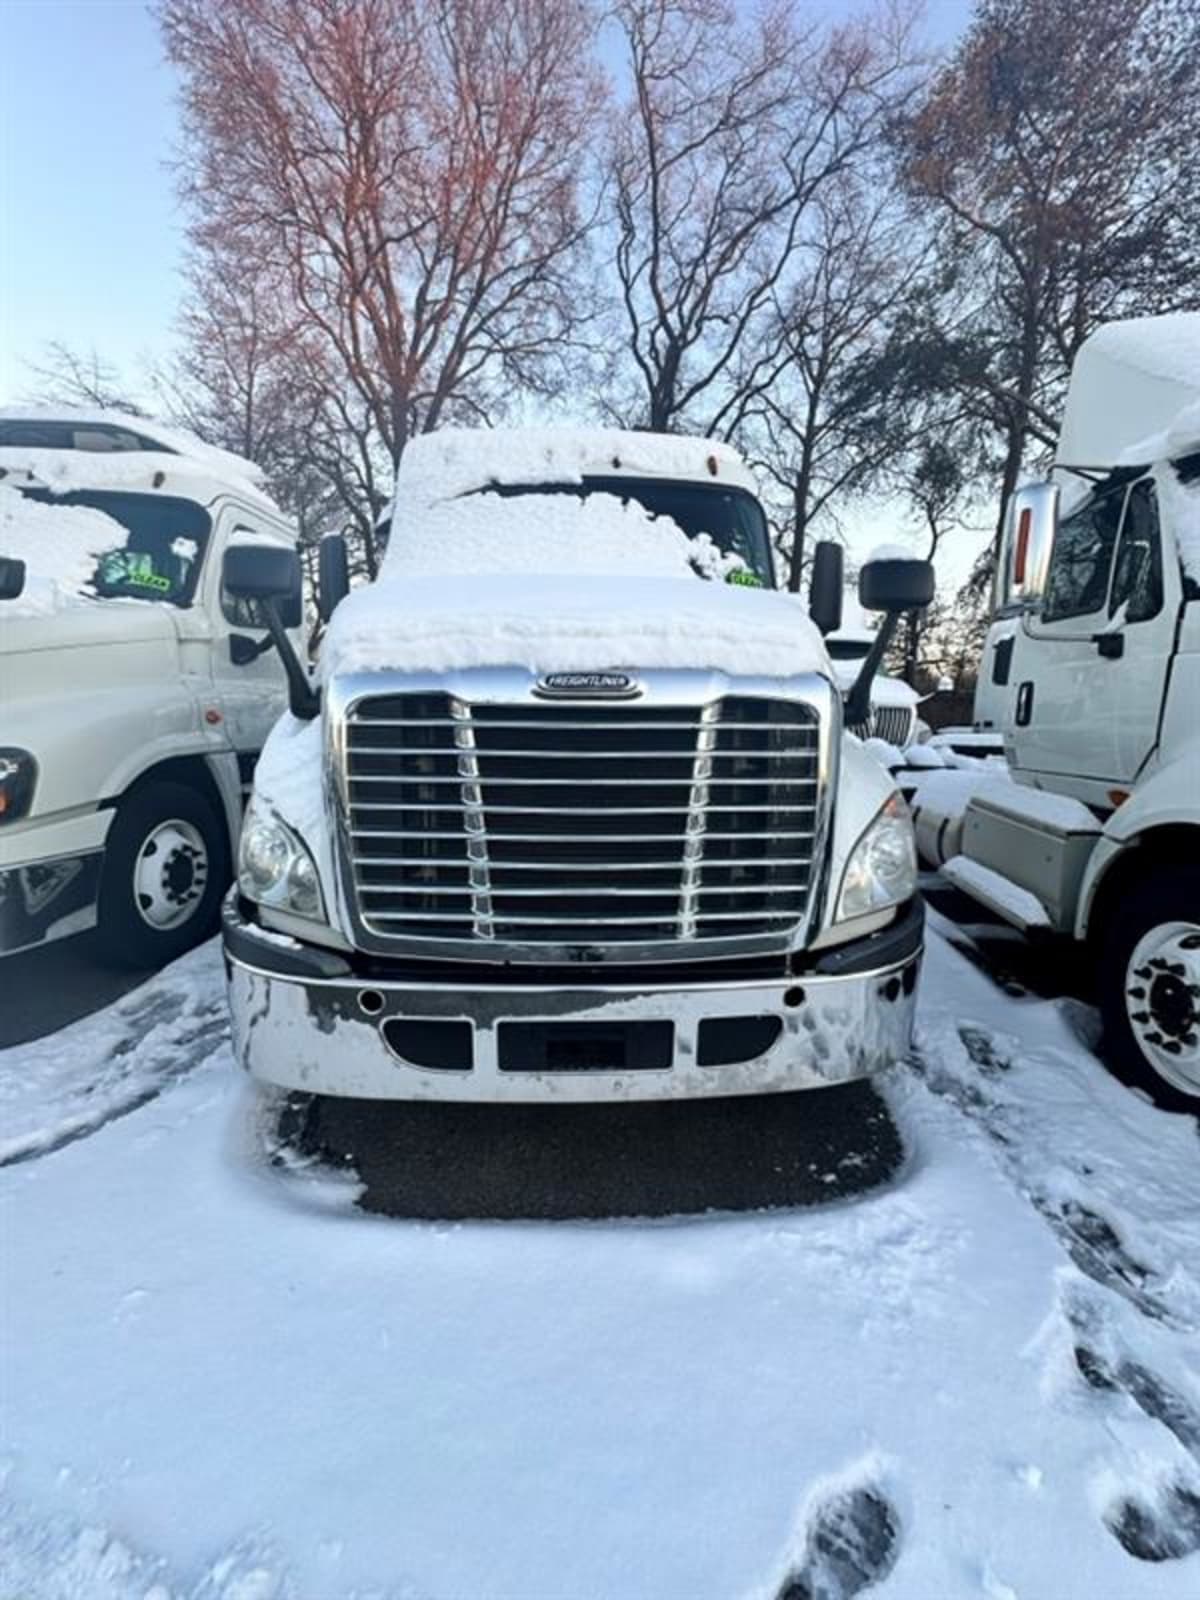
x: 748, y: 580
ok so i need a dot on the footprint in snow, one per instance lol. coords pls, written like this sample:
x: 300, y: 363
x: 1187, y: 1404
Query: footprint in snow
x: 1096, y: 1248
x: 1166, y: 1529
x: 853, y: 1541
x: 984, y: 1052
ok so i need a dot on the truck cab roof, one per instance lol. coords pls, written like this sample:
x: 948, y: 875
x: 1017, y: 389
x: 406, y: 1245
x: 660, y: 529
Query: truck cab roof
x: 1134, y: 396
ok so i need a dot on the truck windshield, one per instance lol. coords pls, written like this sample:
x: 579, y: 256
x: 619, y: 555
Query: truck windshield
x: 732, y: 518
x: 163, y: 549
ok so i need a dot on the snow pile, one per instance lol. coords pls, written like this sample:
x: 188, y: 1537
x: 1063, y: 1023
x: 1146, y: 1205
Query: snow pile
x: 1179, y: 438
x: 59, y: 546
x: 978, y: 1382
x: 454, y: 461
x: 890, y: 552
x: 1058, y: 811
x: 1005, y: 898
x: 289, y: 780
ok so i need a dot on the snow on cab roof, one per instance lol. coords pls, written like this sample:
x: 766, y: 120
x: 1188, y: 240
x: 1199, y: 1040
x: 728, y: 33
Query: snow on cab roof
x: 1135, y: 393
x: 70, y: 447
x: 455, y: 461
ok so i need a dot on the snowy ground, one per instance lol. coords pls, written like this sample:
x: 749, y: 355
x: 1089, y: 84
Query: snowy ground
x: 224, y: 1383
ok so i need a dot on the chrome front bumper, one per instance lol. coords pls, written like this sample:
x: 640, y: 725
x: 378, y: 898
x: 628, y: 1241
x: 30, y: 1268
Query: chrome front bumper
x: 328, y: 1032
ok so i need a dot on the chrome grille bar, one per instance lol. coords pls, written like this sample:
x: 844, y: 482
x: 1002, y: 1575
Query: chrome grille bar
x: 473, y: 823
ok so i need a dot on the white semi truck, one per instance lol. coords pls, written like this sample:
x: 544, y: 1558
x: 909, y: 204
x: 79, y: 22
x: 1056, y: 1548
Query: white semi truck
x: 135, y: 691
x: 571, y: 814
x: 1098, y: 665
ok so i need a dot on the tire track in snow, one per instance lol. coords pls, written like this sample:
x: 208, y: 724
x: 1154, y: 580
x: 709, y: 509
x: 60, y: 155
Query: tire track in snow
x: 68, y: 1086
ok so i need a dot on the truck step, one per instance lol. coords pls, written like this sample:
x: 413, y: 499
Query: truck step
x: 1007, y: 899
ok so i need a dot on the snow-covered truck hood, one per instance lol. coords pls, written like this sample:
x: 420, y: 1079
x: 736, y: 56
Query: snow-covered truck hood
x: 885, y: 691
x: 557, y: 584
x: 567, y: 623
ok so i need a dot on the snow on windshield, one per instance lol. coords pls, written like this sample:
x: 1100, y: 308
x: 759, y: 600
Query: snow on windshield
x: 557, y: 584
x: 60, y: 546
x: 551, y: 533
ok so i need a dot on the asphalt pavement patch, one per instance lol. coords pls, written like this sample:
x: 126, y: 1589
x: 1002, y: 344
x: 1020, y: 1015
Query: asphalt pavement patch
x: 653, y: 1159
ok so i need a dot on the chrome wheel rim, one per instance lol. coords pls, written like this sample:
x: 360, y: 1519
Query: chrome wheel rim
x: 170, y: 872
x: 1162, y: 1002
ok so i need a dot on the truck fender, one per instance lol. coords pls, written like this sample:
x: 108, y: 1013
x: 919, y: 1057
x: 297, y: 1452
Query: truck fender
x: 1161, y: 816
x: 215, y: 771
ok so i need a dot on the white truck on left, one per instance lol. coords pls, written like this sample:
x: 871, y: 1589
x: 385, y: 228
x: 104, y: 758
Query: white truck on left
x: 135, y: 693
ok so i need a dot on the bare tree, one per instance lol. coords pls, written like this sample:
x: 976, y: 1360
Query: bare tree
x: 406, y: 174
x: 69, y: 377
x: 1059, y: 148
x: 823, y: 433
x: 731, y: 131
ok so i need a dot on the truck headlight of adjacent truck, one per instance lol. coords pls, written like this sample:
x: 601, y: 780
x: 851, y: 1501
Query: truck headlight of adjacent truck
x: 275, y: 869
x: 18, y: 776
x: 882, y: 869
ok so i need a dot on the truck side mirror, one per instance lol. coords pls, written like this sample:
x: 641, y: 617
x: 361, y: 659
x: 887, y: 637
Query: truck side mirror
x: 271, y: 577
x: 12, y: 577
x: 895, y: 584
x: 1029, y: 544
x: 826, y: 586
x: 333, y: 574
x: 892, y: 584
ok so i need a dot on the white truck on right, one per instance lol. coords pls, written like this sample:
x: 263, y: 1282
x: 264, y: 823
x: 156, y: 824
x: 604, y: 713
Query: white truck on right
x: 1098, y: 838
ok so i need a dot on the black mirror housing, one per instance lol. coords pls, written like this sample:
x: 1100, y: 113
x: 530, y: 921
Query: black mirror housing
x: 12, y: 577
x: 272, y: 579
x: 261, y: 571
x: 895, y: 584
x: 826, y: 586
x: 333, y: 574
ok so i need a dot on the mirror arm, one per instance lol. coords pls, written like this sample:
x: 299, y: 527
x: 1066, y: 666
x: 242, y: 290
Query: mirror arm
x: 303, y: 700
x: 858, y: 701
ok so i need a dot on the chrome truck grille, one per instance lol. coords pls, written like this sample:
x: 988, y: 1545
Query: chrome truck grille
x: 579, y: 825
x: 896, y: 724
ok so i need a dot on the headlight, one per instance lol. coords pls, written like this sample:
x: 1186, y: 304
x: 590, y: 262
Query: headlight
x: 882, y: 869
x: 275, y: 869
x: 18, y: 774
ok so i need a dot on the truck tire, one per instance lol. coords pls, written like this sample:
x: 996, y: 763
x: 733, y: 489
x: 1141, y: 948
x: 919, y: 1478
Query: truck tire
x: 166, y: 867
x: 1150, y: 986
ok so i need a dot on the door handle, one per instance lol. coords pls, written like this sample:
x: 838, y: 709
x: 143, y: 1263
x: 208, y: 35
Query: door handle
x: 1025, y: 704
x: 1110, y: 645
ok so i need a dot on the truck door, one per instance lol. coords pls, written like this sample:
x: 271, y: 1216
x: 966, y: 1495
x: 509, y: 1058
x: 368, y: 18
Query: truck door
x: 1067, y: 670
x: 1146, y: 612
x: 254, y: 694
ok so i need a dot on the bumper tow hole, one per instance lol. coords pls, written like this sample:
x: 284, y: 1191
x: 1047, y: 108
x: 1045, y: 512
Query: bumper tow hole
x: 370, y: 1002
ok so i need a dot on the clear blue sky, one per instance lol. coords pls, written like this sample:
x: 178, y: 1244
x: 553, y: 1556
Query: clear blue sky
x: 90, y: 234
